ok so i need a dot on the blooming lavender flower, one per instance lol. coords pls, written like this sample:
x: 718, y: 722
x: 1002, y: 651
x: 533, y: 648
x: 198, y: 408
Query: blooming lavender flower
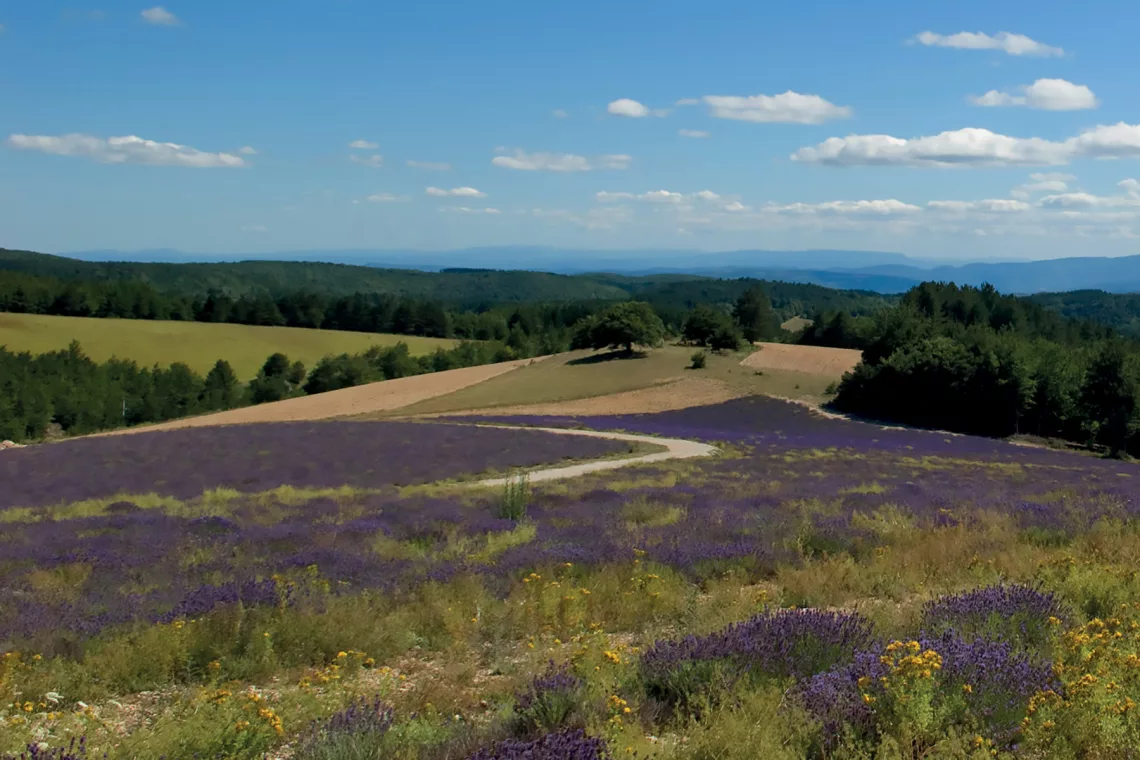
x: 782, y: 644
x: 551, y: 701
x: 75, y: 750
x: 563, y: 745
x: 1020, y: 615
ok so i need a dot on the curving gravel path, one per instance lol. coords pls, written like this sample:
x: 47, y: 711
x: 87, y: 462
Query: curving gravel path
x: 676, y: 448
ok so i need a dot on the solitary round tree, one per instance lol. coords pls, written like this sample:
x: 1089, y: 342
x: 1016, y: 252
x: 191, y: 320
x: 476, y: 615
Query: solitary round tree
x: 622, y: 326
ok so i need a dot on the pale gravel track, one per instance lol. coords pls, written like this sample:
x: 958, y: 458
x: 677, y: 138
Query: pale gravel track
x: 676, y: 448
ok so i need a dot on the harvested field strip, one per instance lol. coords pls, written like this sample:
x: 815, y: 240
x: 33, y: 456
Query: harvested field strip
x: 813, y: 359
x: 363, y: 399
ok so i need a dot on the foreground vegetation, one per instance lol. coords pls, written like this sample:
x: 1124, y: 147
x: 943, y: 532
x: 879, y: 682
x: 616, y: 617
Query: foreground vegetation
x: 824, y: 589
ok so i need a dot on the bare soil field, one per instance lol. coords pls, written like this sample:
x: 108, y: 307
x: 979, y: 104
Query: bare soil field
x: 677, y: 394
x: 812, y: 359
x: 374, y: 397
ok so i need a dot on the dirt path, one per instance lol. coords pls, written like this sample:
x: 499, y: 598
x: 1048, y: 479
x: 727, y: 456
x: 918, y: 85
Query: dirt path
x: 676, y: 448
x: 374, y: 397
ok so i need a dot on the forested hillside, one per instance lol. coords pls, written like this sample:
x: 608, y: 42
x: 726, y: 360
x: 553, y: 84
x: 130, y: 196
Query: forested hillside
x: 1120, y: 311
x: 976, y: 361
x: 456, y: 289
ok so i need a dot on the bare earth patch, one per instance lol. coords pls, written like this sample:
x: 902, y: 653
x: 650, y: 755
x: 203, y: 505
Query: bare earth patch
x: 374, y: 397
x: 814, y: 359
x: 668, y: 396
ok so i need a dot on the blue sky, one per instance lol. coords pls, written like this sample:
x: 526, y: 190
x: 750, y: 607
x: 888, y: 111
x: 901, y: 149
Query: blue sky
x: 951, y: 130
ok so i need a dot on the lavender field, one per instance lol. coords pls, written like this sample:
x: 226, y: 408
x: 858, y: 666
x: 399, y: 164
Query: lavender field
x: 982, y: 595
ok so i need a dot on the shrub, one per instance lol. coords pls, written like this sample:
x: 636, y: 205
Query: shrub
x: 777, y: 645
x: 551, y: 702
x: 1023, y: 616
x: 516, y: 497
x: 355, y: 733
x: 564, y: 745
x: 698, y: 360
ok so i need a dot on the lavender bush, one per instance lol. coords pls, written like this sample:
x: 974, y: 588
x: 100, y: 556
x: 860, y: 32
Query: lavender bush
x: 355, y: 733
x: 776, y: 645
x: 552, y: 701
x: 75, y: 750
x: 1022, y: 616
x: 563, y: 745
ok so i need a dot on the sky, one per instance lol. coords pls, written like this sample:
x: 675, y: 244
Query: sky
x: 960, y: 130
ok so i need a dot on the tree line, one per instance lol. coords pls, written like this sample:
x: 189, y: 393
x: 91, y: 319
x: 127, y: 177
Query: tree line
x: 68, y: 393
x: 973, y: 360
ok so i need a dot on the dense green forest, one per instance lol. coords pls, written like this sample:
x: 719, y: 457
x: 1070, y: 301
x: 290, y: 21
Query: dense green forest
x: 139, y: 289
x: 975, y: 361
x: 1120, y: 311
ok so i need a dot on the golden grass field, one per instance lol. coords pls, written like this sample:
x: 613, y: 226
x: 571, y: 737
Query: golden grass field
x: 198, y: 344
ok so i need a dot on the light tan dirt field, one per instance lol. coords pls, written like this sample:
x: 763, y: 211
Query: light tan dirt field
x: 666, y: 397
x: 795, y: 324
x: 374, y: 397
x: 813, y: 359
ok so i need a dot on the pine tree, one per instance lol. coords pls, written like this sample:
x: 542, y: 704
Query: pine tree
x: 753, y: 313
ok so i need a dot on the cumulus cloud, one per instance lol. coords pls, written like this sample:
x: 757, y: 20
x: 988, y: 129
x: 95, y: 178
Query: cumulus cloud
x: 973, y: 147
x: 159, y: 16
x: 386, y: 198
x: 560, y: 162
x: 375, y: 161
x: 125, y: 150
x: 559, y: 113
x: 1014, y: 44
x: 1130, y: 186
x: 1087, y: 201
x: 697, y: 133
x: 363, y: 145
x: 431, y: 166
x: 248, y: 151
x: 455, y: 192
x: 629, y: 108
x: 991, y: 205
x: 1044, y: 94
x: 788, y: 107
x: 888, y: 206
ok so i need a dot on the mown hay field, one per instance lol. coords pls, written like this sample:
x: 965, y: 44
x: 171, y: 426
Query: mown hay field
x: 197, y: 344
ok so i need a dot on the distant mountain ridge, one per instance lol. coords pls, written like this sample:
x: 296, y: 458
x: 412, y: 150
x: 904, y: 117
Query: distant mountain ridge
x: 878, y: 271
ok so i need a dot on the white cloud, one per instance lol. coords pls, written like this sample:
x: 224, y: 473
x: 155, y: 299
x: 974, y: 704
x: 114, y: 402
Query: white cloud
x: 363, y: 145
x: 697, y: 133
x: 1014, y: 44
x: 1087, y: 200
x: 627, y: 107
x: 455, y: 192
x: 248, y: 151
x: 124, y: 150
x: 973, y: 147
x: 1130, y: 186
x: 466, y: 210
x: 560, y: 162
x: 1118, y: 140
x: 614, y: 161
x: 160, y: 16
x: 375, y: 161
x: 254, y: 228
x: 788, y: 107
x: 386, y: 198
x: 558, y: 113
x: 671, y: 198
x: 551, y: 162
x: 1044, y: 94
x: 878, y: 207
x: 991, y: 205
